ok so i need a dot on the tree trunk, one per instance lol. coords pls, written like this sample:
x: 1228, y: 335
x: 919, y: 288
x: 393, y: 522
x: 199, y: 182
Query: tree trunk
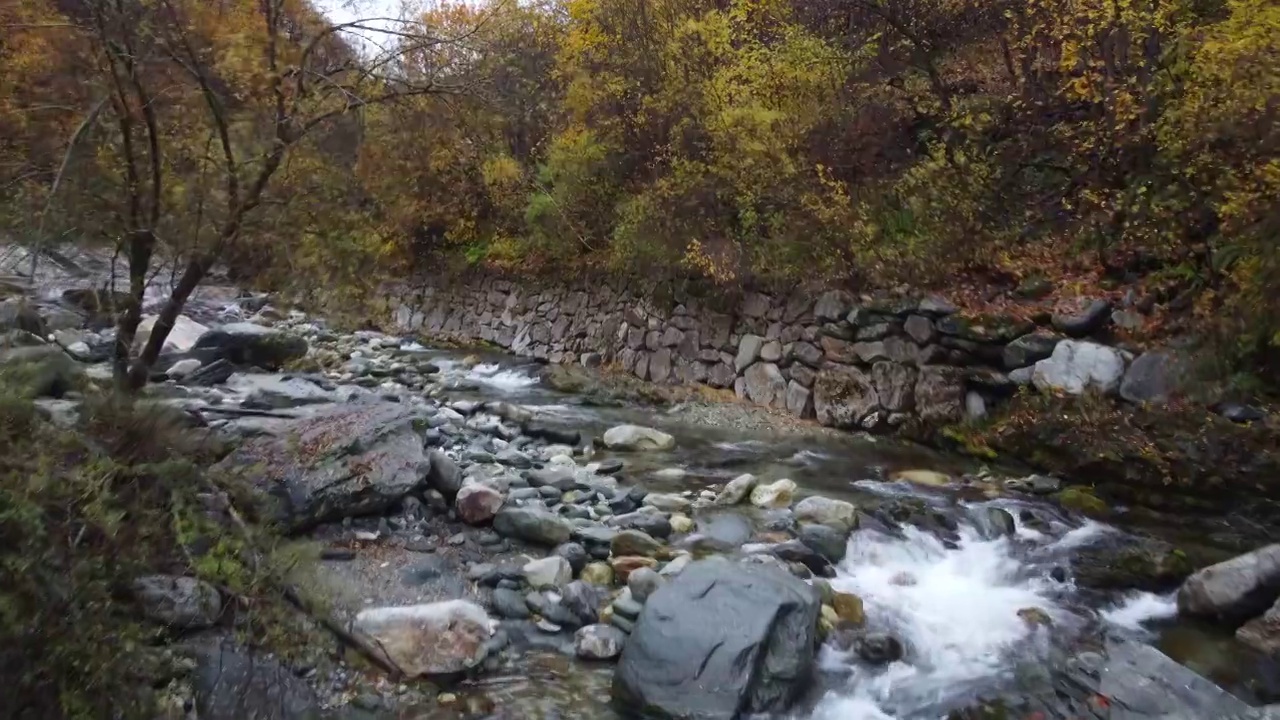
x: 141, y: 247
x: 192, y: 274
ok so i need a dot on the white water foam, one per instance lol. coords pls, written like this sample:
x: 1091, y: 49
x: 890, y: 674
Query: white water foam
x: 955, y: 610
x: 493, y: 375
x: 1136, y: 609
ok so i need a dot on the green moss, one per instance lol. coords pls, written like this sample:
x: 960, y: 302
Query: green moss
x: 1081, y: 500
x: 969, y: 441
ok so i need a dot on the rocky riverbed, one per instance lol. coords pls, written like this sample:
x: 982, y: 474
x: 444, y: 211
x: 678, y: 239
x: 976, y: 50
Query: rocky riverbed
x: 519, y: 551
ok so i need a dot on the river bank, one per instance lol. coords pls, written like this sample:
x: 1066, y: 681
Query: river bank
x: 491, y: 484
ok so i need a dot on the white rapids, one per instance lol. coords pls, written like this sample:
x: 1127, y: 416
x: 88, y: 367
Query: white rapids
x: 955, y: 611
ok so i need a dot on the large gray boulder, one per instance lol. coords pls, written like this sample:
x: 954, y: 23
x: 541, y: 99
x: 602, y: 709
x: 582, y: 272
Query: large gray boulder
x: 1076, y: 366
x: 181, y: 603
x: 1234, y: 590
x: 532, y: 524
x: 1154, y: 377
x: 231, y: 684
x: 720, y: 641
x: 352, y: 460
x: 438, y: 638
x: 249, y: 344
x: 637, y: 437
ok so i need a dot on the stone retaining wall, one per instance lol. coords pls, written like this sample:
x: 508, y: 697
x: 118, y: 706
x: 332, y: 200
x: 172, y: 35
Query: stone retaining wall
x: 850, y: 362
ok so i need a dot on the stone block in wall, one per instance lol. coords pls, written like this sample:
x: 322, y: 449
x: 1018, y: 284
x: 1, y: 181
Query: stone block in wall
x: 803, y: 374
x: 937, y: 306
x: 940, y: 394
x: 765, y: 385
x: 771, y: 351
x: 709, y: 355
x: 878, y: 331
x: 920, y: 329
x: 773, y: 332
x: 844, y: 331
x: 797, y: 307
x: 837, y: 350
x: 755, y: 305
x: 895, y: 385
x: 641, y: 368
x: 791, y: 333
x: 843, y: 396
x: 635, y: 338
x: 799, y: 400
x: 672, y: 337
x: 1029, y: 349
x: 684, y: 322
x: 635, y: 317
x: 560, y: 328
x: 748, y: 351
x: 715, y: 330
x: 690, y: 344
x: 652, y: 340
x: 721, y: 375
x: 863, y: 317
x: 832, y: 305
x: 996, y: 329
x: 627, y: 359
x: 660, y: 365
x: 811, y: 333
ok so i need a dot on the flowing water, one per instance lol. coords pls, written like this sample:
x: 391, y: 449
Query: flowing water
x: 954, y: 606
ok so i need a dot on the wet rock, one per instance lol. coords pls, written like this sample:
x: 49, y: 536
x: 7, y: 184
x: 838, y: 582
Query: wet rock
x: 879, y: 649
x: 794, y: 551
x: 1085, y: 321
x: 183, y: 368
x: 627, y: 564
x: 993, y: 522
x: 928, y: 478
x: 1154, y: 377
x: 548, y: 572
x: 1035, y: 617
x: 1137, y: 681
x: 1076, y: 366
x: 444, y: 476
x: 599, y: 642
x: 736, y: 490
x: 249, y: 344
x: 574, y: 553
x: 777, y: 494
x: 634, y: 542
x: 667, y: 502
x: 636, y: 437
x: 828, y: 542
x: 1239, y: 588
x: 509, y: 604
x: 477, y: 504
x: 681, y: 524
x: 826, y: 511
x: 354, y: 460
x: 683, y: 661
x: 560, y: 478
x: 848, y: 608
x: 1131, y: 563
x: 532, y: 525
x: 181, y: 603
x: 1263, y: 633
x: 232, y: 684
x: 552, y: 434
x: 642, y: 583
x: 432, y: 639
x: 652, y: 523
x: 182, y: 336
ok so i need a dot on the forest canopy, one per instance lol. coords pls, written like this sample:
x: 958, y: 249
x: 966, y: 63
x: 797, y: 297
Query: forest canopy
x: 862, y: 142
